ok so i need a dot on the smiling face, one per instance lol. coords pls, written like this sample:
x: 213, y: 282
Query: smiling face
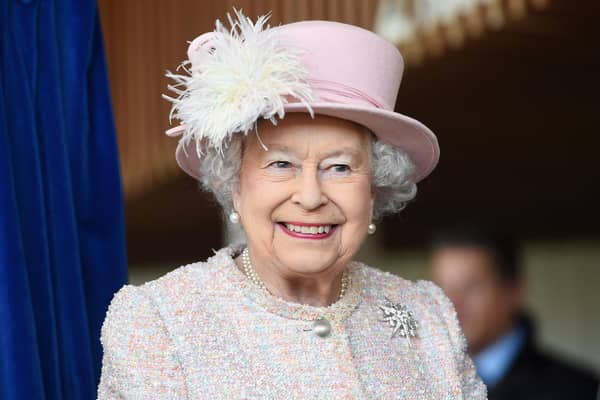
x: 305, y: 203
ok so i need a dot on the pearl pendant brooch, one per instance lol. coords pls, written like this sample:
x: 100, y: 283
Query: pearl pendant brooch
x: 400, y: 319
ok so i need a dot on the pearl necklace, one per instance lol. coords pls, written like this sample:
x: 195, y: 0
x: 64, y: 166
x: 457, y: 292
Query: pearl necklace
x: 253, y: 276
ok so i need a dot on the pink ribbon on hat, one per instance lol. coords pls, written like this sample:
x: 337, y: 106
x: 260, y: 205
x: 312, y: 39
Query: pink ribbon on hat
x: 336, y: 92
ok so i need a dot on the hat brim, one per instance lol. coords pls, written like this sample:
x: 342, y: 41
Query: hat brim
x: 397, y: 129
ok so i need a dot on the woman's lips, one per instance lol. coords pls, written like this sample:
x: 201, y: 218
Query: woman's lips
x: 308, y: 231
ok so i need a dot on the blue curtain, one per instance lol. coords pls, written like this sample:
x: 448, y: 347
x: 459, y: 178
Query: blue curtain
x: 61, y: 210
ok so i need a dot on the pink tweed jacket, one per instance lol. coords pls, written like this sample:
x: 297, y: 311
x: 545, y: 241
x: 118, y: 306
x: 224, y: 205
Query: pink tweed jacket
x: 204, y: 331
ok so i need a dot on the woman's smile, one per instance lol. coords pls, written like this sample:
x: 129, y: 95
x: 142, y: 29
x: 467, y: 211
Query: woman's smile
x: 309, y: 231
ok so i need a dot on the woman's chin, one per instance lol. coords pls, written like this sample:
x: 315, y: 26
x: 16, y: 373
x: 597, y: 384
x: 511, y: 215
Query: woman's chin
x: 307, y: 257
x: 308, y: 264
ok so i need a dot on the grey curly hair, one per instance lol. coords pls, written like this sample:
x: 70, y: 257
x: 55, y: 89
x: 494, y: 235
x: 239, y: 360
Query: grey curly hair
x: 391, y: 170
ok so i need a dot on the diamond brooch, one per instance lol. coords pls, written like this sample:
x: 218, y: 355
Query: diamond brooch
x: 400, y: 319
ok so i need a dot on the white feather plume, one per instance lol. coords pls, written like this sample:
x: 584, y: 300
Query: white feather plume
x: 244, y: 74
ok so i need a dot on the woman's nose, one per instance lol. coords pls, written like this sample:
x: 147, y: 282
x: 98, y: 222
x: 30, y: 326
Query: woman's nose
x: 309, y: 192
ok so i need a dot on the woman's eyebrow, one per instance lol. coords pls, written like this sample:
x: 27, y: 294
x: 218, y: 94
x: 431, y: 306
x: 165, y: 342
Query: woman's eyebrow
x: 275, y: 149
x: 278, y: 147
x: 342, y: 152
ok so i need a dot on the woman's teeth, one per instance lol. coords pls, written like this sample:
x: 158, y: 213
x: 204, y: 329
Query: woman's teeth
x: 309, y: 229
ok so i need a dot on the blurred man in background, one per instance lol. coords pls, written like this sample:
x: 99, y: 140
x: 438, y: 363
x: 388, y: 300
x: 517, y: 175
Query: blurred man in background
x: 480, y: 271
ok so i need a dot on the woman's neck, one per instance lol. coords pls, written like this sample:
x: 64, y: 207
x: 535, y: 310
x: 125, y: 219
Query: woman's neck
x: 318, y: 291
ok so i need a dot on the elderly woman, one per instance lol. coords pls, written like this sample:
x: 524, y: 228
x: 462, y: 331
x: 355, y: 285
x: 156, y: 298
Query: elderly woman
x: 293, y: 130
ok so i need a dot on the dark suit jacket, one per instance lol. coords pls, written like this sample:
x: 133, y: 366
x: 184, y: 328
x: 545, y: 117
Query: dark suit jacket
x: 536, y: 375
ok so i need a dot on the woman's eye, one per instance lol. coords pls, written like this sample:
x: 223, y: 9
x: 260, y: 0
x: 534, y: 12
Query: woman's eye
x: 281, y: 164
x: 340, y: 168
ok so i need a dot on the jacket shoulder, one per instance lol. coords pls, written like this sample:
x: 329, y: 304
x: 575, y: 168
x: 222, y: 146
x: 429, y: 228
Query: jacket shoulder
x: 127, y: 306
x: 382, y: 281
x: 138, y: 357
x: 139, y: 313
x: 188, y: 281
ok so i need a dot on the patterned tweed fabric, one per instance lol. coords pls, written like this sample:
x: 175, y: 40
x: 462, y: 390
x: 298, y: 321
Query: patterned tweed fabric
x: 204, y: 331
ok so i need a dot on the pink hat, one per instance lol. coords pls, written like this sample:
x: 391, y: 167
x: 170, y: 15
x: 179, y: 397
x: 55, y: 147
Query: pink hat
x: 351, y: 73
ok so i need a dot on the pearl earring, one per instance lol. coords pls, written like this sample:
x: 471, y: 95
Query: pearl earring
x: 371, y: 229
x: 234, y: 217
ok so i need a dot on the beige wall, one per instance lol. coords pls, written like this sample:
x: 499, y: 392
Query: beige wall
x: 564, y: 290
